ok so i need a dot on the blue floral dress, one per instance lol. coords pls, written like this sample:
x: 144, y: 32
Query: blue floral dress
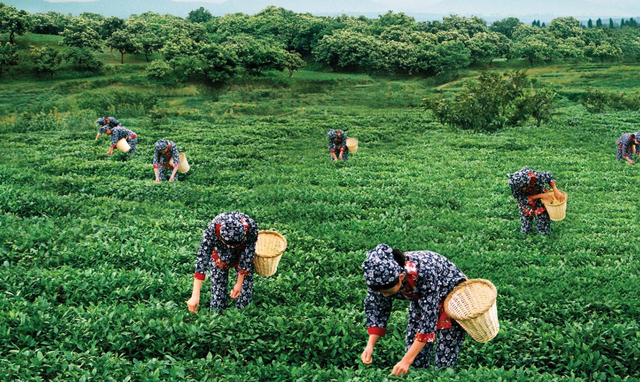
x: 429, y: 277
x: 216, y: 257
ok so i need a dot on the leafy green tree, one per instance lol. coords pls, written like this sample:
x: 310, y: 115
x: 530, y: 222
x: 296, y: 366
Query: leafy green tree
x: 533, y: 47
x: 590, y: 24
x: 258, y: 55
x: 220, y: 62
x: 451, y: 56
x: 350, y: 50
x: 110, y: 26
x: 8, y: 56
x: 629, y: 40
x: 488, y: 46
x: 293, y: 61
x: 467, y: 26
x: 565, y: 27
x: 599, y: 23
x: 49, y: 23
x: 199, y: 15
x: 83, y: 58
x: 46, y: 60
x: 506, y: 26
x: 80, y: 34
x: 307, y: 31
x: 602, y: 44
x: 124, y: 42
x: 611, y: 24
x: 570, y: 48
x: 275, y: 23
x: 13, y: 21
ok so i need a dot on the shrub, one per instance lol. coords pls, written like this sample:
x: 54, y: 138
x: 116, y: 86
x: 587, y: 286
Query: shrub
x: 494, y: 102
x: 596, y: 101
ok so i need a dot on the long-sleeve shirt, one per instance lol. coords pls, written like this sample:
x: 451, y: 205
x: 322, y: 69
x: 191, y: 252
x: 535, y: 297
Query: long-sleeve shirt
x: 213, y: 252
x: 334, y: 145
x: 160, y: 159
x: 429, y: 277
x: 625, y: 143
x: 537, y: 183
x: 117, y: 133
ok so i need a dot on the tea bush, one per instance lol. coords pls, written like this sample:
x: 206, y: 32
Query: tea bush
x: 96, y: 260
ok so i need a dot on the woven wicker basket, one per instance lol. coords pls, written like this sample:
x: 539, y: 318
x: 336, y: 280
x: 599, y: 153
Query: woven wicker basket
x: 352, y: 145
x: 123, y: 145
x: 183, y: 167
x: 473, y: 305
x: 557, y: 210
x: 269, y: 249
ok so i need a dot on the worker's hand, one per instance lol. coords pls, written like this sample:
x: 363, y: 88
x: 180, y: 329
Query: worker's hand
x: 171, y: 179
x: 193, y: 303
x: 400, y: 369
x: 110, y: 151
x: 559, y: 197
x: 235, y: 292
x: 367, y: 355
x: 340, y: 157
x: 629, y: 160
x: 157, y: 181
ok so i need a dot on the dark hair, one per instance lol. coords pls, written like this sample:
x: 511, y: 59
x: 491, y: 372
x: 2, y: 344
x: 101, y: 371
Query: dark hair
x: 399, y: 257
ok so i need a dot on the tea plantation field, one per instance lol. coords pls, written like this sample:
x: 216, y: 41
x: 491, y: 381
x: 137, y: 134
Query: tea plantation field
x: 97, y: 261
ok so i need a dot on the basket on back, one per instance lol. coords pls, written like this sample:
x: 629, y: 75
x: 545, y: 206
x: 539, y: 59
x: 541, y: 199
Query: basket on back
x: 352, y: 145
x: 123, y: 145
x: 473, y: 305
x: 269, y: 249
x: 183, y: 166
x: 557, y: 210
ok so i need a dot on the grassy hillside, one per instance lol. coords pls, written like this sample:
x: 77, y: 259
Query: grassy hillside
x: 98, y: 260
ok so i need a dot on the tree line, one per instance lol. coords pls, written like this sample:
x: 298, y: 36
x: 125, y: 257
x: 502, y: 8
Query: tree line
x: 217, y: 48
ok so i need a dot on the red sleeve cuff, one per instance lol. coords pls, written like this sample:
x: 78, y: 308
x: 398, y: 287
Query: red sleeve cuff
x: 155, y: 166
x: 377, y: 331
x: 552, y: 184
x: 530, y: 200
x: 425, y: 337
x: 242, y: 272
x: 199, y: 276
x: 333, y: 151
x: 113, y: 146
x: 341, y: 150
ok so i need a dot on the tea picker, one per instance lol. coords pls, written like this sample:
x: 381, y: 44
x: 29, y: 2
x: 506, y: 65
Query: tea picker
x: 124, y: 139
x: 228, y: 242
x: 338, y: 143
x: 165, y: 152
x: 529, y: 190
x: 628, y: 144
x: 425, y: 278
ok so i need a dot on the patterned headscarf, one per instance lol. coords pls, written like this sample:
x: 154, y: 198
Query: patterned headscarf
x: 103, y: 129
x: 161, y: 144
x: 101, y: 121
x: 520, y: 178
x: 380, y: 268
x: 333, y: 134
x: 232, y: 229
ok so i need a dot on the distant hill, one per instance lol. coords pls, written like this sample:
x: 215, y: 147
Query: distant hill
x: 488, y: 9
x: 125, y: 8
x: 576, y: 8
